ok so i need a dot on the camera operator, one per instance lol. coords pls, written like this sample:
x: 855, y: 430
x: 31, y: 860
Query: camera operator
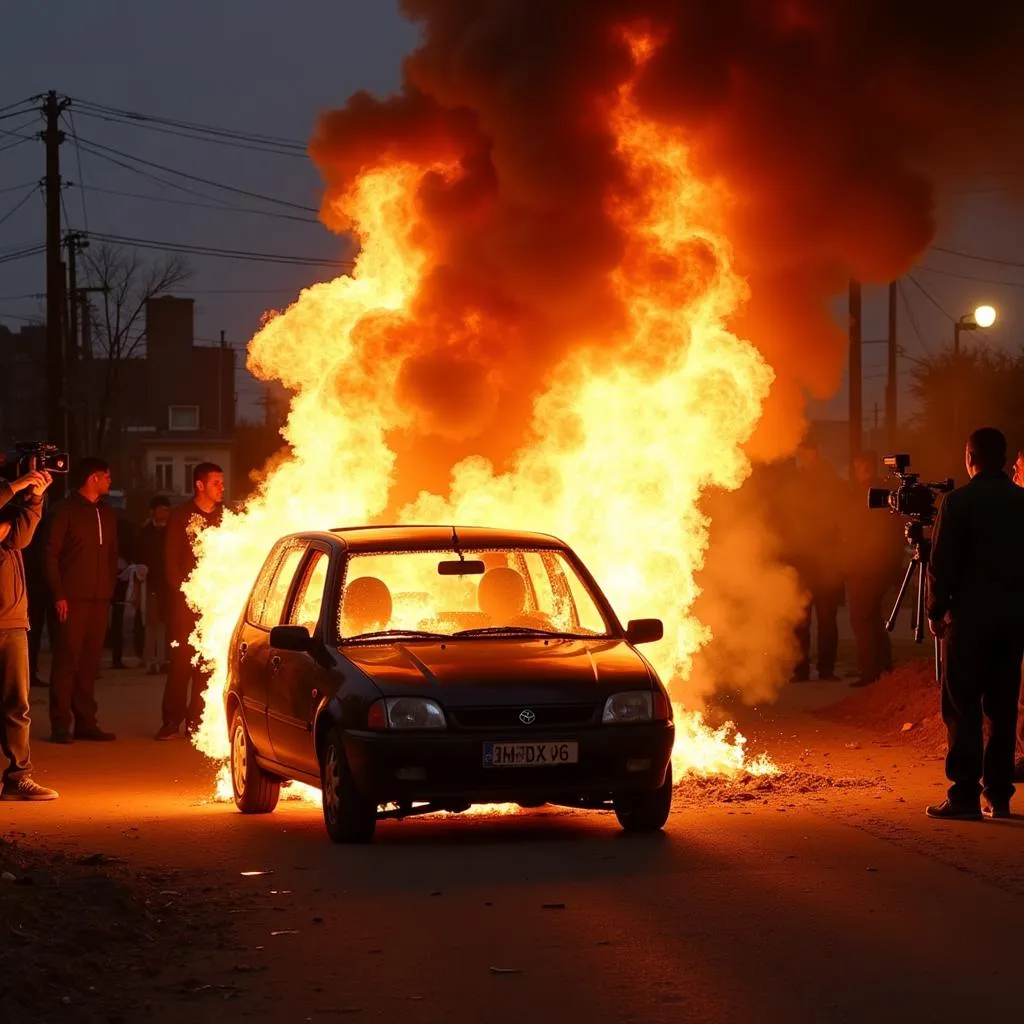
x: 976, y: 605
x: 18, y: 522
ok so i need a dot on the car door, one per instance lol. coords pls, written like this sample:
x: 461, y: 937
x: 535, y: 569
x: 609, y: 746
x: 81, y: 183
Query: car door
x: 296, y: 676
x: 266, y: 606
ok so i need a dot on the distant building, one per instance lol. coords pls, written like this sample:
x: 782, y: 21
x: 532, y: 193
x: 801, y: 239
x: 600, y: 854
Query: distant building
x: 173, y: 406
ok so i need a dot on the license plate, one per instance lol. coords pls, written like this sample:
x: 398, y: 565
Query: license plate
x: 529, y: 755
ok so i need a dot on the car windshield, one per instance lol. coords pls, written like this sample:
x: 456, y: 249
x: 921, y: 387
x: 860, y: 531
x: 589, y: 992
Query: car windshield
x: 511, y: 591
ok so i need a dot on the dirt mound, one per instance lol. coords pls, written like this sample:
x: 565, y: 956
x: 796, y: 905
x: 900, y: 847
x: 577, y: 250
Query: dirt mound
x: 904, y: 705
x: 745, y: 788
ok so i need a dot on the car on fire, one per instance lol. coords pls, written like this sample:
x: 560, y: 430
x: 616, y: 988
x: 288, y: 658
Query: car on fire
x: 406, y: 670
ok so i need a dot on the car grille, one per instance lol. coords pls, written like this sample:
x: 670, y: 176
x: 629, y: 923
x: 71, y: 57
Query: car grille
x: 507, y: 718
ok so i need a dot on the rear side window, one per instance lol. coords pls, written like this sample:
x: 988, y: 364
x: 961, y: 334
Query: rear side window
x: 272, y: 588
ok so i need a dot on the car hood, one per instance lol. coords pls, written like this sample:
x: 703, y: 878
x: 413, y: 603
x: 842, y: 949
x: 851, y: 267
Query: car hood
x: 491, y: 671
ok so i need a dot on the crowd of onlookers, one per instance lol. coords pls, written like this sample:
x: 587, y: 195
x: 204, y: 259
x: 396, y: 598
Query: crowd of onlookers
x: 90, y: 579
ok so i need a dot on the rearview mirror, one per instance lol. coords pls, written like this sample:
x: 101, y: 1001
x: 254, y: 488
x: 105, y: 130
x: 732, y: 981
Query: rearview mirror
x: 291, y: 638
x: 461, y: 567
x: 644, y: 631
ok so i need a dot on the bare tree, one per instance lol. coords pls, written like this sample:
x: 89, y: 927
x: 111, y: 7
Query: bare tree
x: 114, y: 333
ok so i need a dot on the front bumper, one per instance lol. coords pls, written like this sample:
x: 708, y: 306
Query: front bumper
x: 449, y: 765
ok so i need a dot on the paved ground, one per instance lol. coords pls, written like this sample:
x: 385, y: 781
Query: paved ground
x: 810, y: 901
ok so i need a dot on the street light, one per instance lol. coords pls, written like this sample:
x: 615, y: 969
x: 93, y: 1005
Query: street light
x: 983, y: 316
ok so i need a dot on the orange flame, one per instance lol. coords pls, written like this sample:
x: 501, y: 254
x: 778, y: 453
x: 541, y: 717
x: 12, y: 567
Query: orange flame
x: 624, y: 450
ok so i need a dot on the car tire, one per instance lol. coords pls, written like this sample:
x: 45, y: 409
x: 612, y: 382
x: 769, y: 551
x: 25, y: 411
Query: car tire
x: 645, y: 811
x: 255, y: 791
x: 348, y: 816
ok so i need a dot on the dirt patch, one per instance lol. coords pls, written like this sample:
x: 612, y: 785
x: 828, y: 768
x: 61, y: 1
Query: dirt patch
x: 787, y: 784
x: 904, y: 705
x: 84, y: 937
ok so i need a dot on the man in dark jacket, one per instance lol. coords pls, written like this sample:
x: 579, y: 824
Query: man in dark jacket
x: 81, y: 569
x: 186, y: 522
x: 41, y: 613
x: 150, y: 551
x: 976, y: 605
x: 18, y: 522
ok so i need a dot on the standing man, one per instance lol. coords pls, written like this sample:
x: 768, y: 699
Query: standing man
x: 18, y: 521
x: 150, y: 551
x: 186, y: 522
x: 873, y: 549
x: 81, y: 569
x: 976, y: 605
x: 41, y: 614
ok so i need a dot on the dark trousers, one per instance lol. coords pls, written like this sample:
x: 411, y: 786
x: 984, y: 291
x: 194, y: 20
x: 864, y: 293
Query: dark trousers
x: 824, y: 604
x: 867, y: 619
x: 178, y: 705
x: 981, y: 677
x: 76, y: 664
x: 41, y: 615
x: 14, y: 725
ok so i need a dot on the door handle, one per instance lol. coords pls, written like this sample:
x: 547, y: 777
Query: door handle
x: 242, y: 648
x: 275, y: 662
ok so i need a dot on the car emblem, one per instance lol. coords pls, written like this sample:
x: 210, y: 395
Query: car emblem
x: 527, y: 717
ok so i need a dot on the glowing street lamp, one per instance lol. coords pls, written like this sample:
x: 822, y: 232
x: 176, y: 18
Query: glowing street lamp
x: 983, y: 316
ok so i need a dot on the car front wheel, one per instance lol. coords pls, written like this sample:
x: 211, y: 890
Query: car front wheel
x: 348, y: 816
x: 255, y: 791
x: 647, y: 811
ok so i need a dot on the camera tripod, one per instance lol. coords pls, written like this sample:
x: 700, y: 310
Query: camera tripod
x: 922, y: 547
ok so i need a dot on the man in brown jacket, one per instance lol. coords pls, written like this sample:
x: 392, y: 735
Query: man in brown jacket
x: 186, y: 522
x: 81, y: 569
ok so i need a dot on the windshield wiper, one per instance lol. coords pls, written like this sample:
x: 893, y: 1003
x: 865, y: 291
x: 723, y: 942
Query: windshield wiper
x: 418, y: 633
x: 519, y: 630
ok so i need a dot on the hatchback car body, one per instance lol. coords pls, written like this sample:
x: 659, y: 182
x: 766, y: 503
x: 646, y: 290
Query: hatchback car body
x: 411, y: 669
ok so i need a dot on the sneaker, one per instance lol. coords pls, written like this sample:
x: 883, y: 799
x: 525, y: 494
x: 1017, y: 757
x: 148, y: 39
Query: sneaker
x: 96, y: 734
x: 167, y: 732
x: 998, y: 811
x: 62, y: 736
x: 955, y: 812
x: 26, y: 789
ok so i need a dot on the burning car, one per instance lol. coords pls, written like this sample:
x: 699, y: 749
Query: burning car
x: 406, y: 670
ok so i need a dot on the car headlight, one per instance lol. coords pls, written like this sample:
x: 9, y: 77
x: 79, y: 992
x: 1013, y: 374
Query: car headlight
x: 631, y: 706
x: 406, y: 713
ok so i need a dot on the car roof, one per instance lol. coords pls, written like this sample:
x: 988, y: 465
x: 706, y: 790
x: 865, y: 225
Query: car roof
x: 427, y: 538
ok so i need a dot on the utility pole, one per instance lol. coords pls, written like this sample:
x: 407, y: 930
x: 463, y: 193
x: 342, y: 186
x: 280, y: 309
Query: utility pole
x: 856, y: 380
x: 53, y: 137
x: 891, y: 426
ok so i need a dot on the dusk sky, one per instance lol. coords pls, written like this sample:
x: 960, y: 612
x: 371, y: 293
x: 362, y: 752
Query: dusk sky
x: 263, y: 67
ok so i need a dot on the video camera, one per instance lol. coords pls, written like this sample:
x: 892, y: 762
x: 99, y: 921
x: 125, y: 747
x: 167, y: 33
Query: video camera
x: 32, y: 456
x: 913, y: 500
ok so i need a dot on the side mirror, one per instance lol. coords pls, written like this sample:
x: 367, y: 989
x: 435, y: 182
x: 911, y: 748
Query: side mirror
x: 291, y: 638
x: 644, y: 631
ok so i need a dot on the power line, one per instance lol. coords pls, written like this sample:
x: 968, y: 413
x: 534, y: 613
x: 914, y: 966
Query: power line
x: 89, y: 145
x: 199, y: 136
x: 970, y: 277
x: 973, y: 256
x: 18, y: 205
x: 231, y: 133
x: 913, y: 320
x: 15, y: 132
x: 205, y: 250
x: 16, y: 188
x: 928, y: 295
x: 14, y: 255
x: 223, y: 207
x: 21, y: 103
x: 81, y: 176
x: 15, y: 144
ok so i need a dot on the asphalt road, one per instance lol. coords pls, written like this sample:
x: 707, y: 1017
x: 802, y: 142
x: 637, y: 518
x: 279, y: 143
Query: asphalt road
x: 832, y: 904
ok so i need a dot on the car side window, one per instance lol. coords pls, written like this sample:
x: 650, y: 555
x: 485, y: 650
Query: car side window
x: 310, y: 596
x: 254, y: 613
x: 277, y: 595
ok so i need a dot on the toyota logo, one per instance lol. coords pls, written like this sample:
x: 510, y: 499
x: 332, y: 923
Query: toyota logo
x: 527, y: 717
